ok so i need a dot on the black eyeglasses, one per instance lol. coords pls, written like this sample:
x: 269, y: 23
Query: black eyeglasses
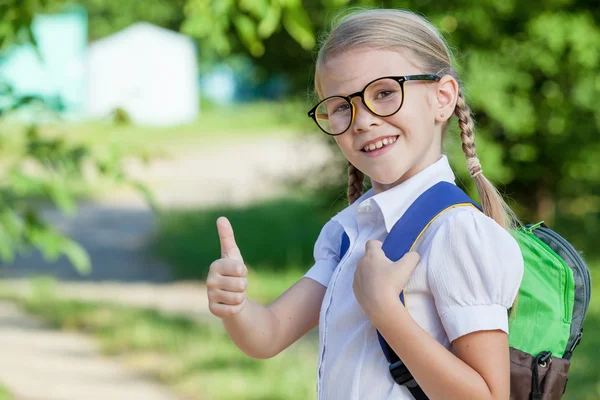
x: 383, y: 97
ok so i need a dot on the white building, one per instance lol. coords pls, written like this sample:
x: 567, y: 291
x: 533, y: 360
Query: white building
x: 148, y: 71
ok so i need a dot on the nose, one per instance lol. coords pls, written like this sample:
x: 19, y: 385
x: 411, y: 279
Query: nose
x: 363, y: 118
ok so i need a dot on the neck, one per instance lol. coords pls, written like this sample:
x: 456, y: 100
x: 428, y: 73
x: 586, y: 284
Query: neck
x: 428, y: 160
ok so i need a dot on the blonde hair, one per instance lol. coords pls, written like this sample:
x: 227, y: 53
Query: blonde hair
x: 400, y: 29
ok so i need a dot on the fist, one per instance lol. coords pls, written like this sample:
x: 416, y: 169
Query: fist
x: 379, y: 281
x: 226, y: 282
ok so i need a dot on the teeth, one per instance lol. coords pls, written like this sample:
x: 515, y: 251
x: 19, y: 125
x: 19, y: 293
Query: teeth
x: 379, y: 144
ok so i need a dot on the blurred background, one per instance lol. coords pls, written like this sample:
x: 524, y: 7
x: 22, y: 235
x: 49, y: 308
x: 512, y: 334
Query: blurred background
x: 128, y: 127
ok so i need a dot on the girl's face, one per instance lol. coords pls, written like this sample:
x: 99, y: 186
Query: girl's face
x: 413, y: 134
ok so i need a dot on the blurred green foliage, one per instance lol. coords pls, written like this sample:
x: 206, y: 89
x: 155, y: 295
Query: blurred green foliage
x: 4, y: 394
x: 530, y: 70
x: 36, y: 169
x: 293, y: 225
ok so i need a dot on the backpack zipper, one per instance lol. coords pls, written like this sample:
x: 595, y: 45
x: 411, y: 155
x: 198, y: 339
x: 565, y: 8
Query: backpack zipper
x: 565, y: 246
x: 568, y: 248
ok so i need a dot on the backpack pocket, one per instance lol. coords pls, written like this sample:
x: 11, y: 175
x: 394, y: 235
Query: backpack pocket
x: 542, y: 320
x: 534, y: 379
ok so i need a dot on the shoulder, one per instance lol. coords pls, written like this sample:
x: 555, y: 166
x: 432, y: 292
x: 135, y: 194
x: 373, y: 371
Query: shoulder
x: 326, y: 253
x: 474, y: 271
x: 474, y: 253
x: 470, y: 230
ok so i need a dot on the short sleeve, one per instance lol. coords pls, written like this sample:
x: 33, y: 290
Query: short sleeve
x: 475, y: 271
x: 326, y: 253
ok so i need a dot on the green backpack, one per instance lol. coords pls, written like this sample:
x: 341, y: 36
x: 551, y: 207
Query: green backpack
x: 546, y: 323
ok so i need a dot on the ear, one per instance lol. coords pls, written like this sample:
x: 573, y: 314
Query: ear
x: 446, y: 97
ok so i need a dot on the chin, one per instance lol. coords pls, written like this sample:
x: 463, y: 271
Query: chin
x: 387, y: 177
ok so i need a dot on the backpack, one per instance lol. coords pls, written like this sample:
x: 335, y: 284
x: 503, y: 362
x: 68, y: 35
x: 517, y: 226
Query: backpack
x: 553, y: 299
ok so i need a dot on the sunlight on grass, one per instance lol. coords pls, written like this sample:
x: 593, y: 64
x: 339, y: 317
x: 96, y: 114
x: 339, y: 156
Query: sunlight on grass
x: 291, y: 225
x: 264, y: 286
x: 4, y: 394
x: 248, y: 120
x: 196, y: 359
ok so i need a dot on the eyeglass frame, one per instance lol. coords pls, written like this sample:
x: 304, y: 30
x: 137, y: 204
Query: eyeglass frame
x: 361, y: 94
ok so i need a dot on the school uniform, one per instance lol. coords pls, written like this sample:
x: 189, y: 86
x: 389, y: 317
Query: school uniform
x: 468, y: 276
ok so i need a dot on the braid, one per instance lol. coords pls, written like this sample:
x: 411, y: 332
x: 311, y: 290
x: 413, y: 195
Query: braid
x: 491, y: 200
x: 355, y: 183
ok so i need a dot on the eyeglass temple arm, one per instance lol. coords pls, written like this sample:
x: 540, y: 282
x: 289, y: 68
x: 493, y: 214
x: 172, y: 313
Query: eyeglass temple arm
x: 424, y: 77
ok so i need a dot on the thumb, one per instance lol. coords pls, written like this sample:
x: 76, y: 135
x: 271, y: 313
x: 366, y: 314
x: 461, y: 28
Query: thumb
x: 405, y: 266
x: 229, y: 248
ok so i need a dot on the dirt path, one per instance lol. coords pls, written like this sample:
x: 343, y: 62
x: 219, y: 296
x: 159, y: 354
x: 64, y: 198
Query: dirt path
x: 39, y: 363
x: 115, y: 232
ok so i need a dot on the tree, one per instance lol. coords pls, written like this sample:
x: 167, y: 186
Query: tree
x: 37, y: 169
x: 530, y: 70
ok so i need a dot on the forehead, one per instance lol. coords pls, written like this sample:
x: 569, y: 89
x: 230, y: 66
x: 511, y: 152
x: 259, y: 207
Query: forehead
x: 350, y: 71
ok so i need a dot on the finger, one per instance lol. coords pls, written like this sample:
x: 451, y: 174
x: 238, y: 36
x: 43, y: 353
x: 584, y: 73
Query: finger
x: 373, y: 245
x: 225, y: 267
x: 229, y: 298
x: 408, y: 262
x: 224, y: 310
x: 229, y: 248
x: 233, y: 284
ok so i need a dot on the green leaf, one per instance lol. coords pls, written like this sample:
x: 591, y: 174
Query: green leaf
x: 77, y: 255
x: 62, y: 197
x: 247, y: 31
x: 270, y: 22
x: 257, y: 8
x: 298, y: 25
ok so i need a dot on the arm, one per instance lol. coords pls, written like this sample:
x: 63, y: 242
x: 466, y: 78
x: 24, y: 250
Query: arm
x: 474, y: 275
x: 263, y: 332
x: 479, y: 370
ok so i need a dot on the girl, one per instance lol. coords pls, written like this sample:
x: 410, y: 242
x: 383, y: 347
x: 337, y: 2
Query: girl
x: 388, y: 90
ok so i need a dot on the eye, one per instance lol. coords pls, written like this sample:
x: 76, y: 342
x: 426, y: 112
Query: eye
x: 342, y: 107
x: 383, y: 94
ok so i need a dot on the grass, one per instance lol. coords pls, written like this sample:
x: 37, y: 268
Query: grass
x: 188, y: 239
x: 4, y: 394
x: 197, y: 360
x: 237, y: 121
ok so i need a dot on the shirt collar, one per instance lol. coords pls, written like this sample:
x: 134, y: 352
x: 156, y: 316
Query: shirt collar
x: 394, y: 202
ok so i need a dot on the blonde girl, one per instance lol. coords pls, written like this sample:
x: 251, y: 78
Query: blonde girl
x: 387, y: 91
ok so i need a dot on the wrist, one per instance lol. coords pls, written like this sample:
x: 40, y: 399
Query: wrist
x: 388, y: 306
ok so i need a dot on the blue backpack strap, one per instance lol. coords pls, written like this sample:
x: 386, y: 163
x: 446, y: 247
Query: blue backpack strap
x: 345, y: 245
x: 401, y: 239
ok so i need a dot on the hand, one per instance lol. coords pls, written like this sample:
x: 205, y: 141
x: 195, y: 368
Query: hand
x: 226, y: 282
x: 379, y: 281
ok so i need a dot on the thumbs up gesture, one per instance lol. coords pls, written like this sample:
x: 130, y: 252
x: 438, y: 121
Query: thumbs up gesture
x: 226, y: 282
x: 379, y: 281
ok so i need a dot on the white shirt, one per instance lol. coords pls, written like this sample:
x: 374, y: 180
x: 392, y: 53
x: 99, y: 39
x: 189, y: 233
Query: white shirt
x: 468, y: 276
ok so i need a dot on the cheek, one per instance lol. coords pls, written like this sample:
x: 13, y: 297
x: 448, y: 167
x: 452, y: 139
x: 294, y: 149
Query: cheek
x: 344, y: 143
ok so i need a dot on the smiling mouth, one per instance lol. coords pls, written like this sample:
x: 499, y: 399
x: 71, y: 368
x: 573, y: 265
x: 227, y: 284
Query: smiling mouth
x: 379, y: 144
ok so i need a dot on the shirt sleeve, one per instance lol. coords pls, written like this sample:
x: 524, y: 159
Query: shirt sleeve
x: 475, y: 271
x: 326, y: 253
